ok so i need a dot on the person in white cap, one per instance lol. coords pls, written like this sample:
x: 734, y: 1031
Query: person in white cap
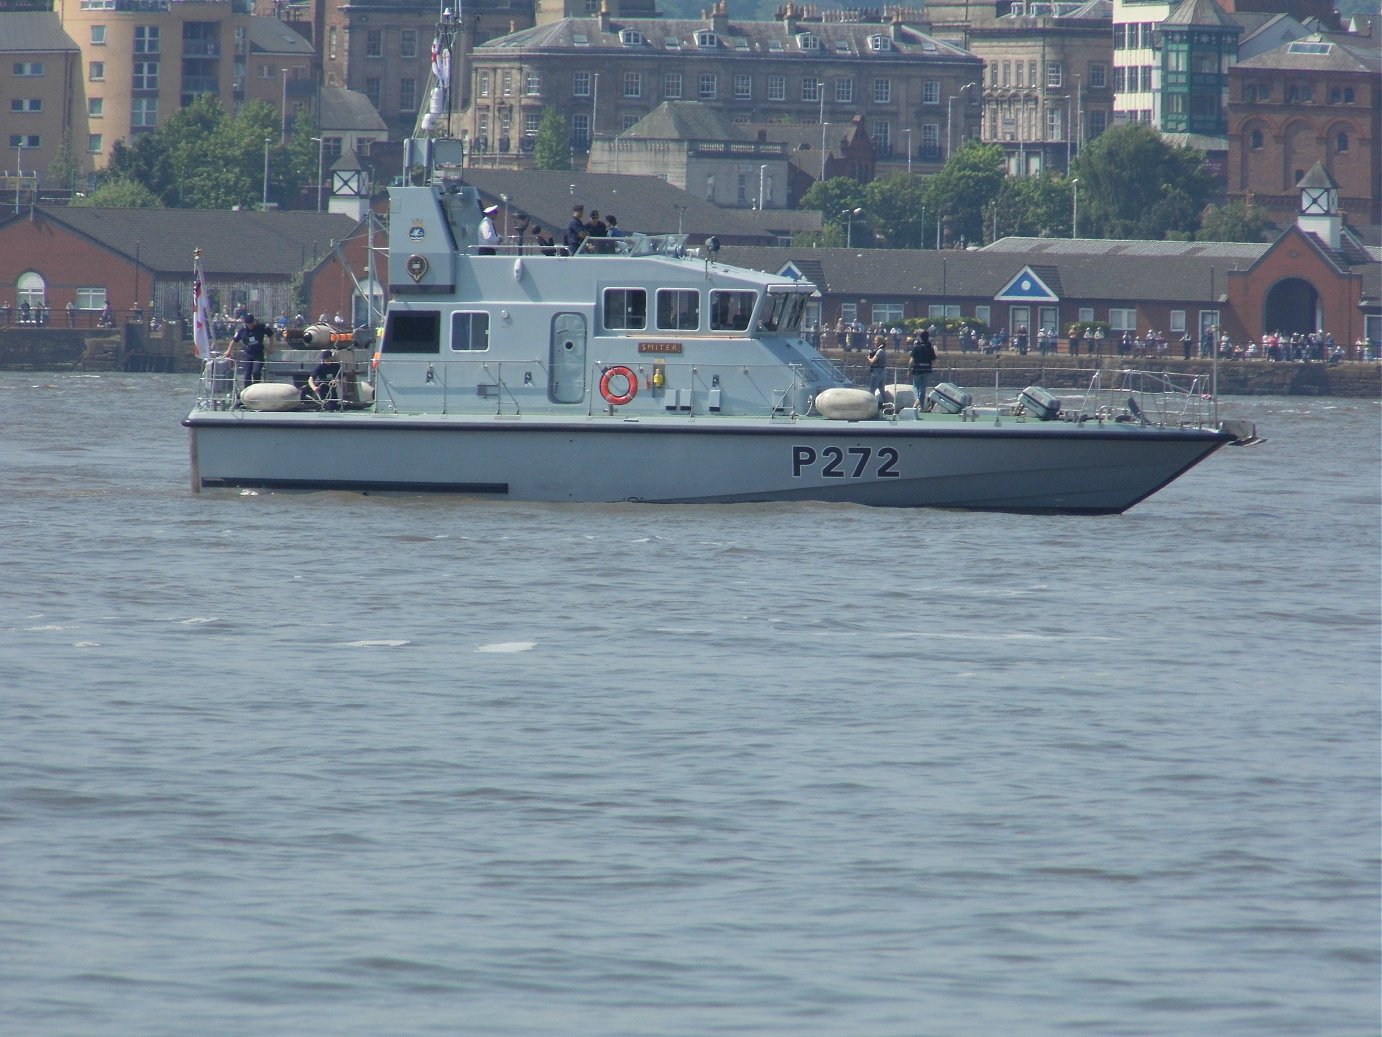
x: 489, y: 237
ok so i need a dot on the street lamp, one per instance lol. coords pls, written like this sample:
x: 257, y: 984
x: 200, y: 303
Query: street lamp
x: 321, y: 153
x: 949, y: 117
x: 1075, y: 208
x: 908, y: 132
x: 284, y: 108
x: 18, y: 171
x: 849, y: 215
x: 762, y: 176
x: 266, y: 174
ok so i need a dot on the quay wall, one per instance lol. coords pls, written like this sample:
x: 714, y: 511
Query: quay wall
x: 125, y: 347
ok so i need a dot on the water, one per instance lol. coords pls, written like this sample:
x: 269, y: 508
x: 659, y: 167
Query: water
x: 334, y: 764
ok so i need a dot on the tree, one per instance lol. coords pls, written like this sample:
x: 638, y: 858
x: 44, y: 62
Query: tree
x: 1033, y: 206
x: 552, y: 149
x: 896, y: 205
x: 968, y: 182
x: 1231, y: 222
x: 836, y: 197
x: 120, y: 194
x: 64, y: 168
x: 1134, y: 185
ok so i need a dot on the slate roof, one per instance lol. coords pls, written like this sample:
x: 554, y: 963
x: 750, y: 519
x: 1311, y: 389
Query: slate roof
x: 983, y: 273
x: 1200, y: 12
x: 247, y: 244
x: 642, y: 203
x: 747, y: 38
x: 684, y: 121
x: 271, y: 36
x: 28, y: 32
x: 1344, y: 54
x: 345, y: 110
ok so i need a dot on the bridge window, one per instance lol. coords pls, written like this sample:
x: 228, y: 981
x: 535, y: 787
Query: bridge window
x: 469, y: 331
x: 731, y: 310
x: 678, y: 309
x: 626, y: 309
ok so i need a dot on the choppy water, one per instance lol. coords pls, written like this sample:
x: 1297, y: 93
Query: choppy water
x: 333, y: 764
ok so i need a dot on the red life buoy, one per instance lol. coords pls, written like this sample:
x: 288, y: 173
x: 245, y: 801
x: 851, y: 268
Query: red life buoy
x: 628, y: 394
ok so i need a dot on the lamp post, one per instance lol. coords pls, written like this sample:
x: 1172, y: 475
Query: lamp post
x: 908, y: 132
x: 949, y: 118
x: 266, y: 174
x: 321, y: 154
x: 18, y: 171
x: 762, y: 176
x: 923, y: 226
x: 283, y: 137
x: 849, y: 215
x: 1075, y: 208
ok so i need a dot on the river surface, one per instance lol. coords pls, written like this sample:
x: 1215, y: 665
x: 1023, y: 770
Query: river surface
x: 287, y: 764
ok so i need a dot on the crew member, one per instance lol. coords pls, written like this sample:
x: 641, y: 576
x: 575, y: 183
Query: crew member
x: 489, y: 237
x: 253, y: 338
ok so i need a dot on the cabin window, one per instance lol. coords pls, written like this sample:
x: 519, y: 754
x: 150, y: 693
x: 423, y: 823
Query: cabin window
x: 469, y: 331
x: 413, y: 331
x: 626, y: 309
x: 783, y: 312
x: 678, y: 309
x: 731, y: 310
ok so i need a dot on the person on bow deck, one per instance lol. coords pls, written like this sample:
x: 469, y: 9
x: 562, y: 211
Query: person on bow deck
x: 878, y: 365
x: 923, y: 359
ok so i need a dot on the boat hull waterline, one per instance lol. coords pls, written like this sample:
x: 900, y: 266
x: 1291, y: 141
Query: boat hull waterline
x: 1065, y: 468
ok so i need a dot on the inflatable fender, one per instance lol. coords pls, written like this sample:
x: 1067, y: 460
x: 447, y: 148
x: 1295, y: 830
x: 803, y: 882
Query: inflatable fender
x: 842, y: 404
x: 271, y: 396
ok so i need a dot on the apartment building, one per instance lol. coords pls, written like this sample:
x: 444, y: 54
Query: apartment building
x: 143, y: 59
x: 605, y: 73
x: 1047, y: 86
x: 40, y: 88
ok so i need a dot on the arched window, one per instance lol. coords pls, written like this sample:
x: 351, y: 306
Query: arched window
x: 1341, y: 142
x: 30, y: 288
x: 1256, y: 140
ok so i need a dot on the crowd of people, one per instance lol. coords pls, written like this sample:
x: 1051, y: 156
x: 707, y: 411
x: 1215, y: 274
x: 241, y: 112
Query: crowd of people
x: 1316, y: 346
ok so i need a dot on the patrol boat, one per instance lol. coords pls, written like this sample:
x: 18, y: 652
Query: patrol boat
x: 639, y: 369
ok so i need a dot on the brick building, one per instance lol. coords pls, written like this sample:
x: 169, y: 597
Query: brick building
x: 1314, y: 99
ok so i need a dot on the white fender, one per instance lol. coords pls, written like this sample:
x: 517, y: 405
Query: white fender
x: 271, y: 396
x: 841, y: 404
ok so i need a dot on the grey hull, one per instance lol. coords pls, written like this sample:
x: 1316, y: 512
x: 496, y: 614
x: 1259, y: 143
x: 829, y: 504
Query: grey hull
x: 1025, y: 467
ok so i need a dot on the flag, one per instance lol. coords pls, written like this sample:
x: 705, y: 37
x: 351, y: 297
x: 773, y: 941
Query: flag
x: 201, y: 309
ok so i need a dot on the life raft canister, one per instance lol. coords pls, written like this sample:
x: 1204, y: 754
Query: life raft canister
x: 630, y: 381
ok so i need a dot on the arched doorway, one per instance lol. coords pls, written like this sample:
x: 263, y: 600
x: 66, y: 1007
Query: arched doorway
x: 1292, y: 306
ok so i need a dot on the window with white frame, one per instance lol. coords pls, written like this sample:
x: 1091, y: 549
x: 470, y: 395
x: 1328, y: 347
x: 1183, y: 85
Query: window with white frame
x: 93, y: 143
x: 849, y: 312
x: 29, y: 68
x: 631, y: 38
x: 678, y: 309
x: 580, y: 130
x: 532, y: 83
x: 626, y: 309
x: 931, y: 91
x: 96, y: 71
x: 938, y: 310
x: 144, y: 112
x: 1054, y: 72
x: 633, y: 84
x: 808, y: 41
x: 931, y: 135
x: 506, y: 83
x: 407, y: 43
x: 810, y: 88
x: 707, y: 39
x: 145, y: 76
x: 1086, y: 314
x: 1098, y: 75
x: 1122, y: 319
x: 374, y: 43
x: 26, y: 104
x: 707, y: 86
x: 777, y: 88
x: 146, y: 39
x: 888, y: 312
x: 580, y: 84
x: 482, y: 81
x: 672, y: 86
x: 98, y: 35
x: 531, y: 121
x: 844, y: 91
x: 984, y: 314
x: 882, y: 134
x: 95, y: 107
x: 91, y: 299
x: 1177, y: 321
x: 743, y: 87
x: 882, y: 91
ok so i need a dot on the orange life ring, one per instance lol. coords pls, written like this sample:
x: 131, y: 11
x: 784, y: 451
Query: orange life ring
x: 628, y: 376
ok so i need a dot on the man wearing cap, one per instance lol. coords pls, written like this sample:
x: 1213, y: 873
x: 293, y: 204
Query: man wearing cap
x: 252, y: 337
x: 575, y: 230
x: 489, y: 237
